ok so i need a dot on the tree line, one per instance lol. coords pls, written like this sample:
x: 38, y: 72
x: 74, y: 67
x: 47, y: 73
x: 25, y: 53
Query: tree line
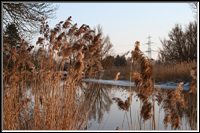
x: 182, y: 44
x: 111, y: 61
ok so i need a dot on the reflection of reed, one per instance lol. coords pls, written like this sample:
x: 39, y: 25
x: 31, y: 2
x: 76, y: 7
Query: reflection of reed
x: 191, y: 109
x: 124, y: 106
x: 159, y: 99
x: 170, y: 107
x: 175, y: 107
x: 102, y: 102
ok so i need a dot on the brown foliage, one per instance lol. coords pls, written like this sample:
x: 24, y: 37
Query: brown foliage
x: 193, y: 73
x: 123, y: 105
x: 34, y: 85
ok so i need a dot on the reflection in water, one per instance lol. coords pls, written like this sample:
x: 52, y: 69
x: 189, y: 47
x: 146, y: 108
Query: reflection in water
x: 191, y: 109
x: 104, y: 103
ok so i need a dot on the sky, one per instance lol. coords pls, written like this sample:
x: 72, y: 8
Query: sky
x: 125, y: 23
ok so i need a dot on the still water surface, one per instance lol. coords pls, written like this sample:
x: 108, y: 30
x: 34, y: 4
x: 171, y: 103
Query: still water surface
x: 106, y: 114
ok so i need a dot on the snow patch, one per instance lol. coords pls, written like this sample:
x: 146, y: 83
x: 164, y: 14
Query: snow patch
x: 168, y: 85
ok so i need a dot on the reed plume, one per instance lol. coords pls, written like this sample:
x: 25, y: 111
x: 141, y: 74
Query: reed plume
x: 117, y: 128
x: 67, y: 23
x: 193, y: 73
x: 116, y: 77
x: 170, y: 106
x: 159, y: 96
x: 137, y: 78
x: 50, y: 105
x: 175, y: 120
x: 167, y: 118
x: 183, y: 103
x: 146, y: 111
x: 123, y: 105
x: 143, y: 80
x: 79, y: 66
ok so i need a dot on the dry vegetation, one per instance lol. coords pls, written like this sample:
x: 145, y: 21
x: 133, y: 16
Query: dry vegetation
x: 33, y: 97
x: 170, y: 100
x: 176, y: 72
x: 162, y: 72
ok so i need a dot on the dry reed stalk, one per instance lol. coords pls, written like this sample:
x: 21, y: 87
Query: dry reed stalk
x: 106, y: 121
x: 167, y: 119
x: 143, y: 80
x: 117, y: 128
x: 153, y: 100
x: 159, y: 96
x: 173, y: 72
x: 135, y: 122
x: 130, y: 92
x: 175, y: 120
x: 127, y: 120
x: 123, y: 121
x: 116, y: 77
x: 170, y: 106
x: 159, y: 99
x: 54, y: 107
x: 138, y: 120
x: 193, y: 73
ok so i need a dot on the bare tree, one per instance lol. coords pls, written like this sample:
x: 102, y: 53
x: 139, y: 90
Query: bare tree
x: 193, y: 6
x: 181, y: 46
x: 107, y: 46
x: 27, y: 16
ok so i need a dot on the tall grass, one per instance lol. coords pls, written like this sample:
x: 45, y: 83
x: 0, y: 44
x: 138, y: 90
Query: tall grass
x: 176, y: 72
x: 36, y: 98
x: 162, y: 72
x: 171, y: 100
x: 34, y: 95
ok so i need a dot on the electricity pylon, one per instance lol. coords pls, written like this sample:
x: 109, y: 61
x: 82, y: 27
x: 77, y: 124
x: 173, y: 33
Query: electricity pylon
x: 149, y: 47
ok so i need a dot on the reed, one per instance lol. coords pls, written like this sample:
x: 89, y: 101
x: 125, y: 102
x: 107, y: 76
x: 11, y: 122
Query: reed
x: 33, y: 97
x: 176, y: 72
x: 162, y: 72
x: 123, y: 105
x: 159, y: 99
x: 193, y: 73
x: 143, y: 78
x: 170, y: 106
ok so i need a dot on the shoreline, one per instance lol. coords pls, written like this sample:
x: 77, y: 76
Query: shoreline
x: 168, y: 85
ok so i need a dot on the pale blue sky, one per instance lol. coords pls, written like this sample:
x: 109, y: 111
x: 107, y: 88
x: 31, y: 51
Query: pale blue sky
x: 126, y: 23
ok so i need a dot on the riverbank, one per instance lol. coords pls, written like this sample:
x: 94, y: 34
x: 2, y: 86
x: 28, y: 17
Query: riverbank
x: 167, y: 85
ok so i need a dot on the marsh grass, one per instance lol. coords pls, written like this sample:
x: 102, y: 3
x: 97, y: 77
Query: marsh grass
x: 162, y: 72
x: 171, y: 101
x: 33, y: 97
x: 176, y: 72
x: 124, y: 73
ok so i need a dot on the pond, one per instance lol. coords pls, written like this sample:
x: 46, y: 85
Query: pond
x: 106, y: 114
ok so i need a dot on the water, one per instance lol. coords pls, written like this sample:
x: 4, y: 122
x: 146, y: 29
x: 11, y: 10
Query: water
x: 106, y: 114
